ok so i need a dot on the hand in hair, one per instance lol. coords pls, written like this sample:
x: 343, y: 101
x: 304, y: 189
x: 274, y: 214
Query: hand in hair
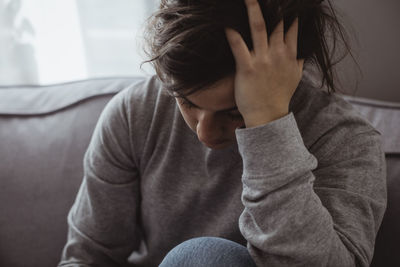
x: 266, y: 77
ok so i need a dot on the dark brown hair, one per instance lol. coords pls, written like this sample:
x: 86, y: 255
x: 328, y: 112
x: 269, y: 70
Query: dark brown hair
x: 188, y: 49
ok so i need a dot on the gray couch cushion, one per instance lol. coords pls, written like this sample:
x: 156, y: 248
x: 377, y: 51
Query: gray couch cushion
x: 44, y: 133
x: 37, y: 100
x: 385, y: 116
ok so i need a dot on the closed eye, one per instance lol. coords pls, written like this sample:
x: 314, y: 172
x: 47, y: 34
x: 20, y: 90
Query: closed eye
x: 187, y: 104
x: 234, y: 117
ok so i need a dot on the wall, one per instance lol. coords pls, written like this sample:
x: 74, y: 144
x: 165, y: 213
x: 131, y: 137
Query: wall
x: 376, y: 25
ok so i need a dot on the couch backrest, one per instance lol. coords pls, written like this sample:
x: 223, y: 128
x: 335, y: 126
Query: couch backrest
x: 44, y: 133
x: 385, y: 117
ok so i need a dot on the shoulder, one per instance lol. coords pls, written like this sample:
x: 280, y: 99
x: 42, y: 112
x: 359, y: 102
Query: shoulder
x: 137, y: 96
x: 327, y: 122
x: 140, y: 89
x: 348, y: 148
x: 144, y: 95
x: 130, y: 111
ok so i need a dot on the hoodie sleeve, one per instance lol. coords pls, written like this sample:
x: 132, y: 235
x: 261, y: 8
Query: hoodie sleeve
x: 99, y: 234
x: 299, y: 215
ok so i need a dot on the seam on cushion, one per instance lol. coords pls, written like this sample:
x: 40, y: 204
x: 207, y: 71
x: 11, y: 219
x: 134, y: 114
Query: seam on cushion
x: 38, y: 86
x: 72, y: 104
x: 371, y: 102
x: 47, y: 100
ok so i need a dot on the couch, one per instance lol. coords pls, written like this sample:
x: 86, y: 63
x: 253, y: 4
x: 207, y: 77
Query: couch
x: 44, y: 133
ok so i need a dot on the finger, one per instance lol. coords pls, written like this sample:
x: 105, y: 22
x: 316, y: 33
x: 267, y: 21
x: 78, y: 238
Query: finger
x: 277, y: 36
x: 238, y: 47
x: 257, y: 26
x: 291, y: 37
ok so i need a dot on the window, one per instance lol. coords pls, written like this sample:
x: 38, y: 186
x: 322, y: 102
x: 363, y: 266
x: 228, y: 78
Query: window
x: 47, y: 41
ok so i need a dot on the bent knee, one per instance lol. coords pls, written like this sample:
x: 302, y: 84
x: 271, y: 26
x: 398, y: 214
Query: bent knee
x: 208, y: 251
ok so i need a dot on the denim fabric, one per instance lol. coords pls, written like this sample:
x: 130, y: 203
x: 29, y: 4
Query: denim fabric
x: 210, y: 252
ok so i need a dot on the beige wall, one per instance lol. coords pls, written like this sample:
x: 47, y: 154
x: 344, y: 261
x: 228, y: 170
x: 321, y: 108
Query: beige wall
x: 377, y: 26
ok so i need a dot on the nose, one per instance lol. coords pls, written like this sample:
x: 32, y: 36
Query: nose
x: 209, y: 130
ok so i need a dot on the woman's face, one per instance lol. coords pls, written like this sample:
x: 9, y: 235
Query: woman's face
x: 214, y: 116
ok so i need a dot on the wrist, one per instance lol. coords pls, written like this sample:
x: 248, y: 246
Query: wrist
x: 263, y: 118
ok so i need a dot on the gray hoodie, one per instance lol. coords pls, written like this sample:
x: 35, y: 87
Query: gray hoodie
x: 308, y: 189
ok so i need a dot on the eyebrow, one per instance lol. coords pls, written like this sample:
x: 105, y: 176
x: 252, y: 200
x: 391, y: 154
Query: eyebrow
x: 222, y: 110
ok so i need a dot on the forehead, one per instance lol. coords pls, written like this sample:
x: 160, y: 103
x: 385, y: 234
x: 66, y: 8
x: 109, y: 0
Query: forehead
x: 217, y: 97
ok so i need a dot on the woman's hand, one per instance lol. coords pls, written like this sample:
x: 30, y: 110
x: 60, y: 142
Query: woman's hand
x: 267, y: 77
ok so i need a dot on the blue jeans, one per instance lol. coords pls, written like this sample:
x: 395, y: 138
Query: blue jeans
x: 208, y: 252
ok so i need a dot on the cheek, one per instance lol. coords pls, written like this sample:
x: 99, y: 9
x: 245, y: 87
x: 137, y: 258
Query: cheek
x: 227, y: 126
x: 189, y: 118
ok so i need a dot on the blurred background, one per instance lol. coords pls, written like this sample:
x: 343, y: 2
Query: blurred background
x: 52, y: 41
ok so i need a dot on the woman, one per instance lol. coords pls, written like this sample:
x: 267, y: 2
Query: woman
x: 230, y: 156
